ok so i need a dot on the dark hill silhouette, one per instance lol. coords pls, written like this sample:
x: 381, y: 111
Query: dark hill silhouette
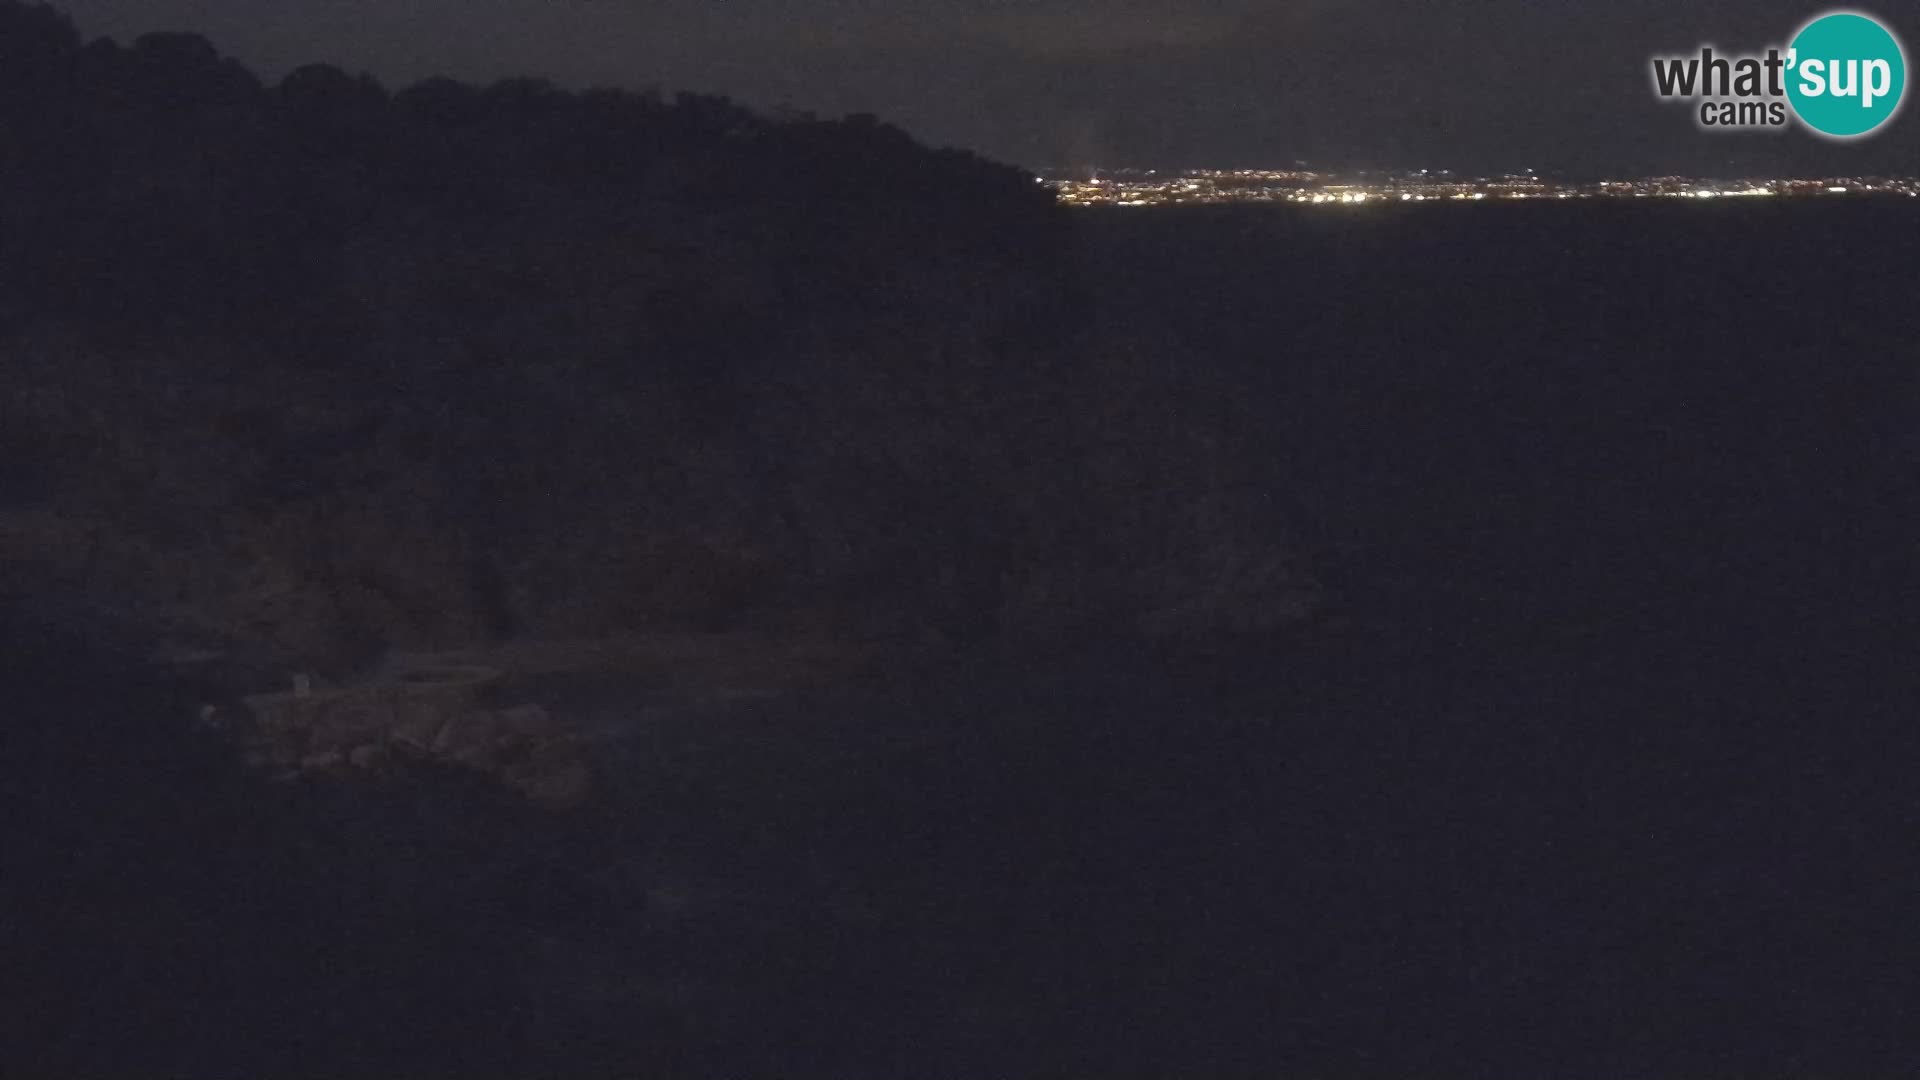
x: 573, y: 330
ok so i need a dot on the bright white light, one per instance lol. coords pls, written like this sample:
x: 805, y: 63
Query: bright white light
x: 1838, y: 190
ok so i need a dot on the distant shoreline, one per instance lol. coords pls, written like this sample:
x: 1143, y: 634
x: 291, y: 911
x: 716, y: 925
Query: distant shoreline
x: 1135, y: 188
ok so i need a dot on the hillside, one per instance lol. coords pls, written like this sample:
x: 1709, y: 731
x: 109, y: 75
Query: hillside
x: 315, y: 371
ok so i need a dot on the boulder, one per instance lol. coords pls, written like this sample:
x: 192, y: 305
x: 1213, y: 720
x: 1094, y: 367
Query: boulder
x: 418, y: 727
x: 466, y: 734
x: 429, y: 714
x: 531, y: 722
x: 325, y: 761
x: 347, y: 720
x: 555, y: 775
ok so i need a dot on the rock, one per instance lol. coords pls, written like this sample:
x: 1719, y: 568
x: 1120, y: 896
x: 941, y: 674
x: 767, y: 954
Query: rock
x: 530, y: 721
x: 281, y: 748
x: 451, y: 736
x: 347, y: 720
x: 556, y: 777
x: 465, y: 733
x: 477, y: 740
x: 450, y: 689
x: 431, y: 717
x: 280, y: 712
x: 485, y: 757
x: 417, y: 726
x: 322, y: 762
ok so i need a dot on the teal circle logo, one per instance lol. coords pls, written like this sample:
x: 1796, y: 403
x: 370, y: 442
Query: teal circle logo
x: 1846, y: 75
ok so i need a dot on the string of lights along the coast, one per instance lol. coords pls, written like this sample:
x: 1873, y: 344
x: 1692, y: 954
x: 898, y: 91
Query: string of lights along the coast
x: 1146, y: 187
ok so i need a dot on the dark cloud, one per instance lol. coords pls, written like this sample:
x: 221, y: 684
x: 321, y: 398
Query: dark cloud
x: 1471, y: 84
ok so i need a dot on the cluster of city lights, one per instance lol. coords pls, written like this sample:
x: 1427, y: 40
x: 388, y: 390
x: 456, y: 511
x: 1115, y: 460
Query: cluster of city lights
x: 1213, y: 186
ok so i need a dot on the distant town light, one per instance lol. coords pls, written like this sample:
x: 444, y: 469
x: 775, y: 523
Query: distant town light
x: 1139, y: 187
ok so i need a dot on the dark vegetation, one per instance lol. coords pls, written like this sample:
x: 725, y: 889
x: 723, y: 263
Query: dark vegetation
x: 1600, y: 768
x: 327, y: 369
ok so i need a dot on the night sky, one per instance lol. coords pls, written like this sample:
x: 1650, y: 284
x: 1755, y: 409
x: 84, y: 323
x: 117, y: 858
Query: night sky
x: 1472, y: 85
